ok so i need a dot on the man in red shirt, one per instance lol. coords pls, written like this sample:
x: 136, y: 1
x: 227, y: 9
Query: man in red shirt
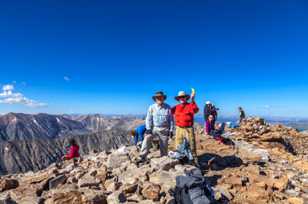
x: 184, y: 120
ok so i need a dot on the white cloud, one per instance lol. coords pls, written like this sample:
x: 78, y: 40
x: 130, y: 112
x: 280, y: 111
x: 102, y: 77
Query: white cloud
x: 8, y: 96
x: 66, y: 78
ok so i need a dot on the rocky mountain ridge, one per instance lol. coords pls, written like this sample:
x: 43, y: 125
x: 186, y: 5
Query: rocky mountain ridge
x: 19, y: 126
x: 32, y: 142
x: 254, y: 165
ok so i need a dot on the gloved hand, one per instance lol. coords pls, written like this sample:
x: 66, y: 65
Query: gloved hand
x: 148, y: 132
x: 193, y: 93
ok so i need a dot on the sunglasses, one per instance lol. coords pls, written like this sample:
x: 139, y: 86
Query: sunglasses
x: 182, y: 97
x: 160, y: 97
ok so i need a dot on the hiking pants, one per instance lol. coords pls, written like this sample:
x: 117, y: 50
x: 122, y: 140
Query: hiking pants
x: 188, y: 133
x: 162, y: 134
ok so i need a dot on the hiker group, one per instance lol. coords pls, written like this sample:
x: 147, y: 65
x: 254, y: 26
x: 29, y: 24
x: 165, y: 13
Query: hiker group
x: 162, y: 121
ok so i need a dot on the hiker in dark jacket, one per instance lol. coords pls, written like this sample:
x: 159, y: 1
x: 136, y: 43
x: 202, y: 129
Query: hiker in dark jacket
x: 210, y: 109
x: 138, y: 133
x: 242, y: 114
x: 72, y: 151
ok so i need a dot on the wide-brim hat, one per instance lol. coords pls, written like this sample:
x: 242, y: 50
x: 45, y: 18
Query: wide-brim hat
x: 182, y: 94
x: 159, y: 94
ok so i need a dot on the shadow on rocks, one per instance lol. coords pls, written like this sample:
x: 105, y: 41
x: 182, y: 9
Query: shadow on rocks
x: 215, y: 162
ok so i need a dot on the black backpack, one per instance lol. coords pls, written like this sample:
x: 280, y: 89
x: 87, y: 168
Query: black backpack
x: 192, y: 189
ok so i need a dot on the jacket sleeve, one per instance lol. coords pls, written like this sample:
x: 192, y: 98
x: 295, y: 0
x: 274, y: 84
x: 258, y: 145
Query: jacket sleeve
x: 149, y: 119
x: 194, y: 108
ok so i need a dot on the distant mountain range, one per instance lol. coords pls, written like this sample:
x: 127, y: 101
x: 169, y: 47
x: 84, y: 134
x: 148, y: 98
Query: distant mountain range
x: 32, y: 142
x: 19, y: 126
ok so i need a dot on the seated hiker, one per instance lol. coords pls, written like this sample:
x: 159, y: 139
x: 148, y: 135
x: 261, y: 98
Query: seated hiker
x: 218, y: 131
x: 72, y: 150
x: 209, y: 125
x: 138, y: 134
x: 184, y: 119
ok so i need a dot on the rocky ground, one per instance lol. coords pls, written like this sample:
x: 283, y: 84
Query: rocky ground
x: 259, y: 163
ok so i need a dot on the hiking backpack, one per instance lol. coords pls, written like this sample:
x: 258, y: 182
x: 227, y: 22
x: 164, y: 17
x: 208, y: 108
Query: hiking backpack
x: 192, y: 189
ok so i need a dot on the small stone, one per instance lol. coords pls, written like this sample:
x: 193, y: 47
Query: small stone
x: 151, y: 191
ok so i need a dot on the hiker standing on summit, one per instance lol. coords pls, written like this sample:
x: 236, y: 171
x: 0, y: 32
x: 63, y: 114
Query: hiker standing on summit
x: 184, y: 119
x: 159, y: 124
x: 242, y: 114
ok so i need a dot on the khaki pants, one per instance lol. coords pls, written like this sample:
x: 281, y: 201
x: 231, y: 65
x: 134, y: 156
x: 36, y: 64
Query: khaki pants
x: 162, y: 134
x: 189, y: 134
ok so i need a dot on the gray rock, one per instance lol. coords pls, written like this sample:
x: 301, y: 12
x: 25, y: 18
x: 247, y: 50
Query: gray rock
x: 163, y: 163
x: 55, y: 182
x: 115, y: 160
x: 88, y: 181
x: 6, y: 199
x: 116, y: 198
x: 252, y: 151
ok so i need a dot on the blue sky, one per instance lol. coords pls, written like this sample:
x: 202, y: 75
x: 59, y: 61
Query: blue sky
x: 110, y: 56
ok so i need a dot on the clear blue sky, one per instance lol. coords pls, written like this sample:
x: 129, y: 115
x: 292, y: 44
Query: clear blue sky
x: 110, y: 56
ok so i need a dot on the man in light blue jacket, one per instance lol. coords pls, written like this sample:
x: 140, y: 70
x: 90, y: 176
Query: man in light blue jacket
x: 159, y: 124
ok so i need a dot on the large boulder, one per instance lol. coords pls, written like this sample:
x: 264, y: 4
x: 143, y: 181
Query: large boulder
x: 55, y: 182
x: 93, y: 197
x: 88, y: 181
x: 65, y: 197
x: 133, y: 175
x: 115, y: 160
x: 6, y: 199
x: 164, y: 163
x: 295, y: 200
x: 116, y: 197
x: 167, y: 180
x: 26, y: 193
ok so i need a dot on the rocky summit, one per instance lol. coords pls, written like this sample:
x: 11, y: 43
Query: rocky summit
x: 258, y: 163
